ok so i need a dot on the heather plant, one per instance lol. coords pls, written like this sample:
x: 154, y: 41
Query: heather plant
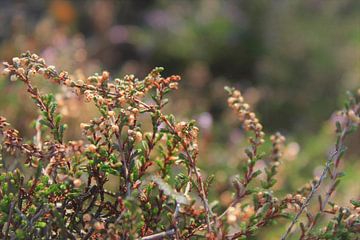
x: 135, y: 173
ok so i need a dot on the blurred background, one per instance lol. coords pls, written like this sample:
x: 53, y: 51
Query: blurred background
x: 292, y: 60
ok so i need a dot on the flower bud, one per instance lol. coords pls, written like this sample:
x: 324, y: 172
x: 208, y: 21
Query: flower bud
x: 115, y: 128
x: 105, y: 75
x: 16, y: 61
x: 353, y: 117
x: 31, y: 73
x: 21, y: 70
x: 173, y: 85
x: 6, y: 71
x: 80, y: 83
x: 13, y: 78
x: 99, y: 226
x: 84, y: 125
x: 77, y: 182
x: 138, y: 137
x: 91, y: 148
x: 87, y: 217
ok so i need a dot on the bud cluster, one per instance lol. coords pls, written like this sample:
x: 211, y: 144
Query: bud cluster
x: 278, y: 142
x: 247, y: 118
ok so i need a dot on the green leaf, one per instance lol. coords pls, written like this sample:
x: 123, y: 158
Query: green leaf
x: 356, y: 203
x: 249, y: 153
x: 40, y: 224
x: 58, y: 119
x: 263, y: 210
x: 256, y: 173
x: 210, y: 179
x: 45, y: 123
x: 338, y: 127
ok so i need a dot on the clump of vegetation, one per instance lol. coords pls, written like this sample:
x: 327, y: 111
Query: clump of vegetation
x: 135, y: 174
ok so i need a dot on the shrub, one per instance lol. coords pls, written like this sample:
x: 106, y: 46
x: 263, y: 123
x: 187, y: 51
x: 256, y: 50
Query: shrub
x: 136, y: 175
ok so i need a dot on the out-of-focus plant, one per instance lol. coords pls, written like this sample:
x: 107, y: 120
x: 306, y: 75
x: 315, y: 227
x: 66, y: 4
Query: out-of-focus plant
x: 136, y: 175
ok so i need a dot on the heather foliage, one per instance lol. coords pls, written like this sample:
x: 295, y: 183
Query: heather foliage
x: 135, y: 173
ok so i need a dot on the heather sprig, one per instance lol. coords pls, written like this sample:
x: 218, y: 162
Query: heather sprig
x: 135, y: 172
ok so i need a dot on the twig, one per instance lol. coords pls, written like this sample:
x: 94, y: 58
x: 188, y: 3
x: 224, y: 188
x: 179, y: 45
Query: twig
x: 12, y: 205
x: 309, y: 197
x: 333, y: 157
x: 198, y: 177
x: 339, y: 147
x: 159, y: 235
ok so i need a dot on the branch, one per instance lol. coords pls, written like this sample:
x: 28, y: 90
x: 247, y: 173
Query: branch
x: 159, y: 235
x: 333, y: 158
x: 12, y: 205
